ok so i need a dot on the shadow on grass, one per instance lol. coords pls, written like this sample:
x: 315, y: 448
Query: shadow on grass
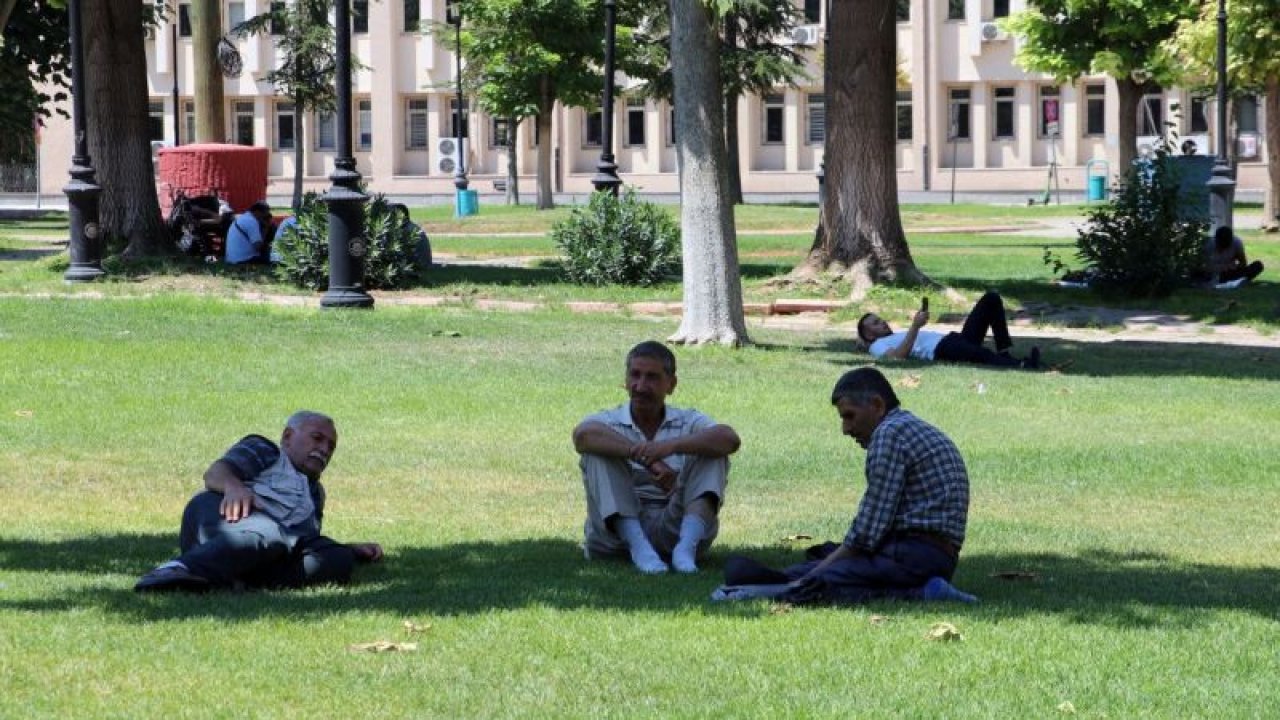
x: 29, y: 254
x: 1098, y: 586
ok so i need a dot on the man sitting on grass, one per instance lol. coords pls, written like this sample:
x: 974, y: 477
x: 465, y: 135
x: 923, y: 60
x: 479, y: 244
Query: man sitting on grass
x: 258, y: 522
x: 965, y: 346
x: 654, y: 474
x: 905, y: 539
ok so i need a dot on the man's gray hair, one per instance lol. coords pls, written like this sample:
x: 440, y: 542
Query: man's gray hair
x: 302, y: 417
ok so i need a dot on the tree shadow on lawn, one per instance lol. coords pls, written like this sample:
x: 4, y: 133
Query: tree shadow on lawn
x: 1096, y: 587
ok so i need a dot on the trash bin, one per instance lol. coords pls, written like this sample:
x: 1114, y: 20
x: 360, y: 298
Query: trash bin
x: 468, y: 203
x: 1096, y: 172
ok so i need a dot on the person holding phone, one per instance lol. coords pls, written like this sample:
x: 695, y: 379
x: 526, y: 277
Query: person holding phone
x: 966, y: 346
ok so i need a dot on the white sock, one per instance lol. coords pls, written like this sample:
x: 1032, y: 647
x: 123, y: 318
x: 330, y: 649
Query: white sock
x: 685, y: 557
x: 643, y: 556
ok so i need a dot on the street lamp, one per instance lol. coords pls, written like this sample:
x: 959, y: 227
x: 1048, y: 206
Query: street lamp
x: 606, y: 178
x: 453, y: 16
x: 85, y: 244
x: 1222, y: 184
x: 173, y: 45
x: 347, y: 243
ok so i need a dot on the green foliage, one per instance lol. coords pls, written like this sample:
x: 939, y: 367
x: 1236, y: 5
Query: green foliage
x: 618, y: 240
x: 307, y: 50
x: 1143, y: 243
x: 35, y: 71
x: 390, y: 261
x: 1253, y: 35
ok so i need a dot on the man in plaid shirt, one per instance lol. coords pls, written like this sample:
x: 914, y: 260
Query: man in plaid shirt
x: 905, y: 538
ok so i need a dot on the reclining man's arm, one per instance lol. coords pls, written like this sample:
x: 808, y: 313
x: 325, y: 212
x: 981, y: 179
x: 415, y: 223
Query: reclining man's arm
x: 237, y: 499
x: 903, y: 351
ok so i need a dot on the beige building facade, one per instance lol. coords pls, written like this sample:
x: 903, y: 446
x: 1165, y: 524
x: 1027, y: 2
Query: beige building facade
x: 970, y: 119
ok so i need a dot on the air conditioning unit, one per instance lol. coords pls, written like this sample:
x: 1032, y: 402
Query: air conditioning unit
x: 804, y: 35
x: 1247, y: 147
x: 991, y: 32
x: 449, y: 152
x: 149, y: 32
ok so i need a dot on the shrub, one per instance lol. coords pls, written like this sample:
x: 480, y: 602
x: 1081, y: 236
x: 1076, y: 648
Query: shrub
x: 1143, y: 243
x: 390, y: 259
x: 618, y: 240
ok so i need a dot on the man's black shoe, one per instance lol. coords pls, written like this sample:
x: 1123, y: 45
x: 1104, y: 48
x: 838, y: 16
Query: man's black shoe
x: 169, y: 578
x: 1032, y: 361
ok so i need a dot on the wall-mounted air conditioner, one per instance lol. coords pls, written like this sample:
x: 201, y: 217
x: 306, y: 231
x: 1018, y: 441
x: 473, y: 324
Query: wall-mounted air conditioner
x: 991, y: 32
x: 448, y: 153
x: 1247, y: 147
x: 805, y: 35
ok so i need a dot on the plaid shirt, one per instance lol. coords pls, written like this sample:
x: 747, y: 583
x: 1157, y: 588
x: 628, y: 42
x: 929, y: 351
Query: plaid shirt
x: 253, y: 455
x: 916, y: 481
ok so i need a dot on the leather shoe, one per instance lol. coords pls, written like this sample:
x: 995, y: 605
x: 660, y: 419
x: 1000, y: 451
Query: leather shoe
x: 168, y: 578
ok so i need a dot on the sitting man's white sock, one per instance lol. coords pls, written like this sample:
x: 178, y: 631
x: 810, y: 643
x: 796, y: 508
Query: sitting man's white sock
x: 643, y: 556
x: 685, y: 557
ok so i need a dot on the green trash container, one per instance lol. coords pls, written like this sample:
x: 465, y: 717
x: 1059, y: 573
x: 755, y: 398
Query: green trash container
x: 468, y: 203
x: 1096, y: 172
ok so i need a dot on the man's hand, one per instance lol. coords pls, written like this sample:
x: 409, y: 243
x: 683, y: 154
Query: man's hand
x: 237, y: 502
x: 367, y: 552
x: 920, y: 320
x: 648, y: 453
x: 663, y: 476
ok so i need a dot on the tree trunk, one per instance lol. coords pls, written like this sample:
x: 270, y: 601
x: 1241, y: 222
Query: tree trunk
x: 118, y: 124
x: 6, y: 9
x: 712, y: 286
x: 1127, y: 134
x: 862, y: 234
x: 206, y: 28
x: 546, y: 102
x: 732, y: 159
x: 298, y: 156
x: 1271, y: 204
x: 513, y: 176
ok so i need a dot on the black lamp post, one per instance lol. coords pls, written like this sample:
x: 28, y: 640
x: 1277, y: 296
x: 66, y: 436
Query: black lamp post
x: 1222, y: 184
x: 606, y: 178
x: 177, y: 113
x: 453, y: 15
x: 347, y: 243
x: 85, y: 244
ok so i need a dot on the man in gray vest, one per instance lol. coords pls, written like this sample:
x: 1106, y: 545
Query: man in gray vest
x: 257, y: 524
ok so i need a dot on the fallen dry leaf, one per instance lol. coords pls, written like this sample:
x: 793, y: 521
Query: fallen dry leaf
x: 24, y: 413
x: 909, y: 381
x: 1015, y: 575
x: 781, y: 609
x: 878, y: 619
x: 1066, y: 707
x: 944, y: 632
x: 412, y: 627
x: 797, y: 537
x: 382, y: 646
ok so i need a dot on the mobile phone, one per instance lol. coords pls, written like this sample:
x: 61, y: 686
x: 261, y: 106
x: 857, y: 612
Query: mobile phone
x: 924, y: 304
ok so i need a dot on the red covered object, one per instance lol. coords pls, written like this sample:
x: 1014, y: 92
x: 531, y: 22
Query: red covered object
x: 235, y: 173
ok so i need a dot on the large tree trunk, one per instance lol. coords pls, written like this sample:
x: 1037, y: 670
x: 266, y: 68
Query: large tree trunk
x: 117, y: 123
x: 712, y: 286
x: 861, y: 234
x: 546, y: 102
x: 206, y: 28
x: 298, y: 156
x: 1271, y: 205
x: 1127, y: 134
x: 513, y: 176
x: 6, y: 9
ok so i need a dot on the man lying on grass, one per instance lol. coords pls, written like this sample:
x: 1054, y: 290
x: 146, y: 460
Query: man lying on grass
x: 905, y: 539
x: 965, y: 346
x: 654, y: 474
x: 258, y: 522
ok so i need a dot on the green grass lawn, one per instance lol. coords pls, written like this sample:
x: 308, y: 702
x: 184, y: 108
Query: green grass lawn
x: 1138, y: 491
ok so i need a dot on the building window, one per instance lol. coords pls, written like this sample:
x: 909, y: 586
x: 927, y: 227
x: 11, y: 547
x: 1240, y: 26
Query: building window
x: 235, y: 15
x: 958, y: 114
x: 1247, y: 114
x: 155, y: 120
x: 999, y: 8
x: 500, y: 134
x: 904, y: 10
x: 1095, y: 110
x: 459, y: 129
x: 1151, y: 113
x: 360, y: 16
x: 277, y: 10
x: 955, y: 9
x: 364, y: 114
x: 412, y: 16
x: 189, y: 119
x: 1050, y: 111
x: 285, y: 139
x: 903, y: 109
x: 817, y: 118
x: 635, y: 122
x: 326, y: 131
x: 813, y: 11
x: 415, y: 120
x: 593, y: 128
x: 1199, y: 116
x: 184, y: 19
x: 242, y: 122
x: 773, y: 120
x: 1004, y: 99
